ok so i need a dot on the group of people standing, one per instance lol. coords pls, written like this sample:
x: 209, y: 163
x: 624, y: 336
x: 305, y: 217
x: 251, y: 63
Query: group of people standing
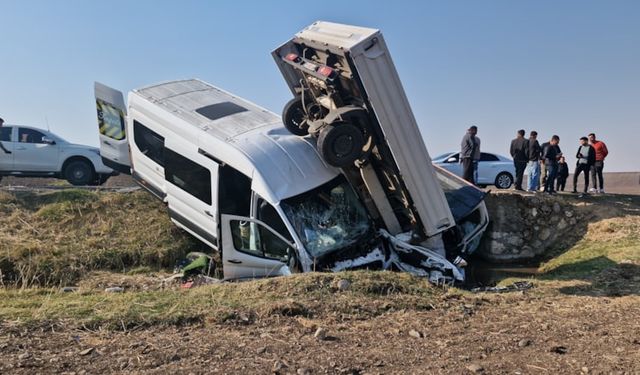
x: 547, y: 163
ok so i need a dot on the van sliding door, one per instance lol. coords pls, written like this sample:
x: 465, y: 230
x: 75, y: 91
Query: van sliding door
x: 192, y: 190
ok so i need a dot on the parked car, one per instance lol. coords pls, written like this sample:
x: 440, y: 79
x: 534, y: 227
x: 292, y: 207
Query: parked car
x: 40, y: 153
x: 493, y: 169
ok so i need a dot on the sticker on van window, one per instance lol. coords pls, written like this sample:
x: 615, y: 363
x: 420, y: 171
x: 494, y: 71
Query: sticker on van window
x: 110, y: 120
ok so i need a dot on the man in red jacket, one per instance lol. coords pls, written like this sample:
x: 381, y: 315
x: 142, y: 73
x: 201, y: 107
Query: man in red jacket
x: 598, y: 166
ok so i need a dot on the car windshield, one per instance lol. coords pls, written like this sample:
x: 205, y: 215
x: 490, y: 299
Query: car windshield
x: 327, y: 218
x: 461, y: 196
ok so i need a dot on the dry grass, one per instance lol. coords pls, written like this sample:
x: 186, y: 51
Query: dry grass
x: 55, y: 238
x: 307, y: 295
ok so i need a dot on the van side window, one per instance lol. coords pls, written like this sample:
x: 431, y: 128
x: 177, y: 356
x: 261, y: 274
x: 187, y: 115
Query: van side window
x: 150, y: 143
x: 234, y: 192
x: 268, y: 214
x: 187, y: 175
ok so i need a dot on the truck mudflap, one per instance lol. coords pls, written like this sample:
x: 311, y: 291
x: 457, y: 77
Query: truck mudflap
x: 423, y: 262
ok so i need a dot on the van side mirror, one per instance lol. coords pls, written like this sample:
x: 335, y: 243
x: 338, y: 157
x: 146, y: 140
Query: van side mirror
x: 48, y: 141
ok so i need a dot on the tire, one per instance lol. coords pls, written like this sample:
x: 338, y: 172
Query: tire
x: 340, y: 144
x: 295, y: 118
x: 79, y: 172
x: 504, y: 180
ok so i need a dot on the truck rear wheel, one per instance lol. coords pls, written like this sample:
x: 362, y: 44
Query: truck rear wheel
x: 294, y: 117
x: 340, y: 144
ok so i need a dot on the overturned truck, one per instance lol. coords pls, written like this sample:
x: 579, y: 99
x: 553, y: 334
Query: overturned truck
x: 347, y: 185
x: 348, y: 96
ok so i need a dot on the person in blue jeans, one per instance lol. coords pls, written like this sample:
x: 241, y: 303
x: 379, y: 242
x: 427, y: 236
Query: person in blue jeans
x: 550, y: 154
x: 533, y: 165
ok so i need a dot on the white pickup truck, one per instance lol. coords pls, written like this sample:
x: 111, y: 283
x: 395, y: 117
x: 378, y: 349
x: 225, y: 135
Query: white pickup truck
x: 40, y: 153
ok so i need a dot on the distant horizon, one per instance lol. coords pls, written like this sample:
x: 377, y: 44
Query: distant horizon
x: 568, y: 68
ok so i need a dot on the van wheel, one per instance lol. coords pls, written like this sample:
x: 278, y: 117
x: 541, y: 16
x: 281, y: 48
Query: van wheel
x: 340, y: 144
x: 504, y: 180
x: 295, y: 118
x: 79, y: 172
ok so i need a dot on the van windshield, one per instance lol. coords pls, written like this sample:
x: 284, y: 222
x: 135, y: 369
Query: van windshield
x: 327, y: 218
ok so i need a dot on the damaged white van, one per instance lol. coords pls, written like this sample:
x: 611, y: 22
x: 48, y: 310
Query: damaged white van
x: 235, y: 178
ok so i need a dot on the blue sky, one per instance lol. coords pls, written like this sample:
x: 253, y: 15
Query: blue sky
x: 560, y: 67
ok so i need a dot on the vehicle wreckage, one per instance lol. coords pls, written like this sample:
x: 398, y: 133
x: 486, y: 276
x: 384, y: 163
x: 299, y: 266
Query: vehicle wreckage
x: 348, y: 184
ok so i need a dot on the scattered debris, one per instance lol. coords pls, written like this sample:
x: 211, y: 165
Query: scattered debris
x: 114, y: 289
x: 278, y: 366
x: 87, y: 351
x: 69, y: 289
x: 416, y: 334
x: 321, y: 334
x: 559, y: 349
x: 475, y: 368
x: 524, y: 342
x: 517, y: 286
x: 24, y: 355
x: 343, y: 285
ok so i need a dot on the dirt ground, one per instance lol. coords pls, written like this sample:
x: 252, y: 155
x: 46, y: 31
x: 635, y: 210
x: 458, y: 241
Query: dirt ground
x: 573, y: 321
x: 515, y: 333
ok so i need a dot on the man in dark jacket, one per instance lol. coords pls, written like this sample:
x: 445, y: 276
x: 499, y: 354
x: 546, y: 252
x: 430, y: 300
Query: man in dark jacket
x: 533, y: 166
x: 550, y: 154
x: 469, y: 147
x: 519, y: 152
x: 586, y: 156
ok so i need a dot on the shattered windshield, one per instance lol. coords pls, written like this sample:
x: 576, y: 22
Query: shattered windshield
x: 327, y: 218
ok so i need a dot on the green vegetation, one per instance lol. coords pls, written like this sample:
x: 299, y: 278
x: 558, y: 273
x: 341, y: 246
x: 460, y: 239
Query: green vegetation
x: 55, y: 238
x: 609, y: 241
x: 96, y: 240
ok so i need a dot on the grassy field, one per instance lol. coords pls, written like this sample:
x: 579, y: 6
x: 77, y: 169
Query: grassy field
x: 54, y: 239
x: 94, y: 240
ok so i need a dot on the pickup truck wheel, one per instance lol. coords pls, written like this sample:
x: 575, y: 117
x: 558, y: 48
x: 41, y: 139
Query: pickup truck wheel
x: 79, y: 172
x: 340, y: 144
x: 295, y: 118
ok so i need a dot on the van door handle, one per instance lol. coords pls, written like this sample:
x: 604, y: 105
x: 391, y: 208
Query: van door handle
x: 21, y: 148
x: 234, y: 261
x: 208, y: 213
